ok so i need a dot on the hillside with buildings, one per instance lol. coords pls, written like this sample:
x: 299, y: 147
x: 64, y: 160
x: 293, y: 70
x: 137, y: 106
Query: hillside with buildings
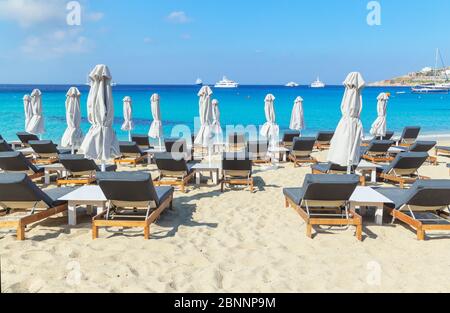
x: 425, y: 76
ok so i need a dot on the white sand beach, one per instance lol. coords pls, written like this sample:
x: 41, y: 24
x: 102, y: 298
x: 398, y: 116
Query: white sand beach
x: 230, y: 242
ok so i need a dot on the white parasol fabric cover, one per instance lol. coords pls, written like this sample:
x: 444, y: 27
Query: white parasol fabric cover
x: 128, y: 124
x: 297, y: 117
x: 36, y: 123
x: 27, y: 109
x: 270, y: 129
x: 100, y: 142
x: 73, y: 136
x: 345, y: 145
x: 379, y: 127
x: 156, y: 128
x: 216, y: 128
x: 205, y: 111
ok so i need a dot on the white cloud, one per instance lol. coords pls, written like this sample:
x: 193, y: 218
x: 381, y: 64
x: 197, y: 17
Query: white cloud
x: 148, y: 40
x: 179, y: 17
x: 29, y: 12
x: 55, y: 45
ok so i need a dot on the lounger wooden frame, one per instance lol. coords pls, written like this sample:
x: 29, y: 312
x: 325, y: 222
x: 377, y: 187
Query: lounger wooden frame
x: 354, y: 219
x: 238, y: 181
x: 321, y: 146
x: 401, y: 180
x: 45, y: 161
x: 298, y: 161
x: 100, y: 221
x: 134, y: 161
x: 76, y: 181
x: 441, y: 151
x: 173, y: 181
x: 21, y: 223
x: 377, y: 158
x: 418, y: 226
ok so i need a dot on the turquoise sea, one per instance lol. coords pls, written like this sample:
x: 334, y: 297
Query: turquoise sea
x: 244, y: 106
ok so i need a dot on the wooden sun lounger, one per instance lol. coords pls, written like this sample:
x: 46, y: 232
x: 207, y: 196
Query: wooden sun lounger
x: 134, y: 191
x: 237, y: 170
x: 174, y: 180
x: 21, y: 195
x: 322, y: 216
x: 422, y: 207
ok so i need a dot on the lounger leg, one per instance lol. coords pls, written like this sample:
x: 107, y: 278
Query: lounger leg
x: 251, y: 185
x: 286, y: 202
x: 309, y: 230
x: 222, y: 186
x: 94, y: 231
x: 402, y: 184
x: 420, y: 234
x: 147, y: 232
x: 20, y: 232
x: 359, y: 232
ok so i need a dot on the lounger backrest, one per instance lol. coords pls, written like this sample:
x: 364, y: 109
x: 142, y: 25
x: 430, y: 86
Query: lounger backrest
x: 237, y: 164
x: 44, y: 148
x: 128, y: 188
x: 336, y: 168
x: 171, y: 163
x: 141, y: 140
x: 388, y: 136
x: 258, y: 148
x: 410, y: 133
x: 380, y: 146
x: 17, y: 191
x: 25, y: 138
x: 289, y: 136
x: 407, y: 163
x: 423, y: 146
x: 429, y: 194
x: 176, y: 145
x: 4, y: 146
x: 130, y: 149
x: 329, y: 187
x: 324, y: 137
x: 78, y: 164
x: 303, y: 145
x: 236, y: 140
x: 16, y: 162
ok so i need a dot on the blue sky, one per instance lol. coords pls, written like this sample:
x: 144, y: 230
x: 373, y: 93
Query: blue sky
x: 251, y: 41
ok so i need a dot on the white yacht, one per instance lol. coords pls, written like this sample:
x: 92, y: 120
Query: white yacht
x: 226, y: 83
x: 199, y: 82
x: 318, y: 84
x: 292, y: 84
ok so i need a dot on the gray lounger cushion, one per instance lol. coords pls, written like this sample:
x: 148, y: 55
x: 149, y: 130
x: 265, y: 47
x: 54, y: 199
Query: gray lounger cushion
x: 78, y: 163
x: 325, y: 136
x: 25, y: 137
x: 443, y: 148
x: 5, y: 147
x: 327, y: 167
x: 19, y: 188
x: 172, y: 162
x: 422, y: 146
x: 303, y: 144
x: 132, y: 187
x: 432, y: 193
x: 289, y: 136
x: 16, y: 162
x: 405, y: 160
x: 324, y: 188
